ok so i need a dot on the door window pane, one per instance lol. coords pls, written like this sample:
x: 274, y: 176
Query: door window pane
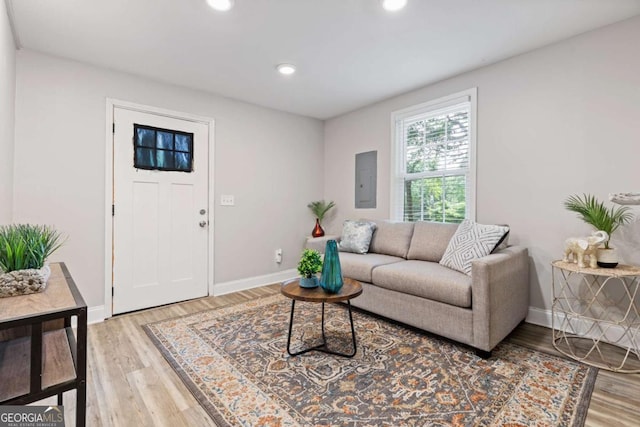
x: 145, y: 158
x: 182, y: 160
x: 146, y: 137
x: 183, y: 142
x: 165, y: 140
x: 162, y: 149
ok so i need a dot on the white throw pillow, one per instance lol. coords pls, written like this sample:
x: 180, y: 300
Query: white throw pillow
x: 471, y: 241
x: 356, y: 236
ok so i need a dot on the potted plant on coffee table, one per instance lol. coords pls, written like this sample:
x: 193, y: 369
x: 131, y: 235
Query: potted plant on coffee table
x: 24, y: 249
x: 595, y: 213
x: 319, y: 209
x: 309, y: 266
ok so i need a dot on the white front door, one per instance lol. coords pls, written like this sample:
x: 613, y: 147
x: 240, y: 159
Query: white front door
x: 160, y: 217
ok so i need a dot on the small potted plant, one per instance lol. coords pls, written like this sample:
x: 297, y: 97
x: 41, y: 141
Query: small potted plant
x: 309, y: 266
x: 595, y: 213
x: 319, y: 209
x: 24, y: 248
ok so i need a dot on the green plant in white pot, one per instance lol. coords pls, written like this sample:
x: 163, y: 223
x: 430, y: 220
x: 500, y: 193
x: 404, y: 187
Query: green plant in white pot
x: 595, y: 213
x: 24, y: 249
x: 309, y: 266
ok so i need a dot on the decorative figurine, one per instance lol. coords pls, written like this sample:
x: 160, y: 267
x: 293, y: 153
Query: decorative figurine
x: 578, y: 247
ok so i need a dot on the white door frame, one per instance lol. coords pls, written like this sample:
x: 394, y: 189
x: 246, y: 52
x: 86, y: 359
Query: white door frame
x: 108, y: 201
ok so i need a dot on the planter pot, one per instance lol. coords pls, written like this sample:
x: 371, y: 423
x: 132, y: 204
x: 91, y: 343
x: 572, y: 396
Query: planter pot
x: 607, y: 258
x: 309, y: 282
x: 24, y: 282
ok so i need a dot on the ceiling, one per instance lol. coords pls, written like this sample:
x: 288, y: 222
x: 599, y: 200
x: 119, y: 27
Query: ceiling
x: 349, y: 53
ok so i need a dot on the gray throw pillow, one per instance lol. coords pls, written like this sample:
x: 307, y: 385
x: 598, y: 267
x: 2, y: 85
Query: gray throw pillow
x: 471, y: 241
x: 356, y: 236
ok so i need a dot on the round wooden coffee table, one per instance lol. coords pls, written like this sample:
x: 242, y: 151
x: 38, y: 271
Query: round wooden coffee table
x: 350, y: 289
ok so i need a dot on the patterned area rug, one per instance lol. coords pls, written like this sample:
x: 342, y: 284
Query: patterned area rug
x: 234, y: 361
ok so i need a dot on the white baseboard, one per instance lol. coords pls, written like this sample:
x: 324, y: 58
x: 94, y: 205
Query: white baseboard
x: 253, y: 282
x: 95, y: 314
x: 587, y: 328
x: 539, y: 317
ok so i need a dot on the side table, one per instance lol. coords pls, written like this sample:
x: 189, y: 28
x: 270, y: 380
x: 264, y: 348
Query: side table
x: 350, y: 289
x: 594, y: 308
x: 45, y: 362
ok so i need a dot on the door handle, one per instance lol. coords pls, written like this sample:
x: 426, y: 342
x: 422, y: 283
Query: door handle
x: 202, y: 224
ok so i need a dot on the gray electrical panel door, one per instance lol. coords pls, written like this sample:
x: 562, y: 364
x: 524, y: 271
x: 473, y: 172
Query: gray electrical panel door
x: 366, y: 177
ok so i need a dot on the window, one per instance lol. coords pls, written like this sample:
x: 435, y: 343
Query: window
x: 162, y: 149
x: 434, y: 164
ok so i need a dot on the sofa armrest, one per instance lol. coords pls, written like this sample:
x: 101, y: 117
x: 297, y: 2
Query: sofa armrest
x: 499, y: 295
x: 320, y: 243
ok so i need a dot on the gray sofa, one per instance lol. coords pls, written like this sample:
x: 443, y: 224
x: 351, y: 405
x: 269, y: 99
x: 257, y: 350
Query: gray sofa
x: 403, y: 281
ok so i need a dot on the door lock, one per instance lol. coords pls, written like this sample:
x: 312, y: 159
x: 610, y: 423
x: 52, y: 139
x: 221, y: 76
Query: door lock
x: 203, y: 211
x: 202, y: 224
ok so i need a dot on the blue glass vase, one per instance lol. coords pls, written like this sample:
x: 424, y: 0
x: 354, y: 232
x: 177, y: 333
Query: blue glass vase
x: 331, y: 278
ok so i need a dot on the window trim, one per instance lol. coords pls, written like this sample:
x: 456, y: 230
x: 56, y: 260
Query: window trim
x: 397, y: 167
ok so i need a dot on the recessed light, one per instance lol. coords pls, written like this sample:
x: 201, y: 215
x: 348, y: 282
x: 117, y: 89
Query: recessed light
x: 393, y: 5
x: 286, y: 69
x: 221, y: 5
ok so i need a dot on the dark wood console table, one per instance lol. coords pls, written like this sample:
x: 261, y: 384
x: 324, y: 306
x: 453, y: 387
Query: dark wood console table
x: 39, y: 354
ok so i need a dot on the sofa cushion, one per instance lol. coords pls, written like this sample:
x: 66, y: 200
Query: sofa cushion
x: 356, y: 236
x: 428, y: 280
x: 430, y: 240
x: 392, y: 238
x: 472, y: 241
x: 359, y: 267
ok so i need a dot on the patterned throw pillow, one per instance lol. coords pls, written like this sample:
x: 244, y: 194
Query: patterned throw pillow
x: 472, y: 241
x: 356, y: 236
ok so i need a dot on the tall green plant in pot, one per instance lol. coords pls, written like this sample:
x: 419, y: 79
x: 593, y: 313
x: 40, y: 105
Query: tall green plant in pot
x: 595, y: 213
x: 24, y: 249
x: 309, y: 266
x: 319, y: 209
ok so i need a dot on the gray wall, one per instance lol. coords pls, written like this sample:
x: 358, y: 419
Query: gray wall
x: 271, y: 161
x: 553, y: 122
x: 7, y: 102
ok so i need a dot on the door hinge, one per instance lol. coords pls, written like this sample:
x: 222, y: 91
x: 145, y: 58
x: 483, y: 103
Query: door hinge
x: 113, y: 128
x: 112, y: 291
x: 113, y: 210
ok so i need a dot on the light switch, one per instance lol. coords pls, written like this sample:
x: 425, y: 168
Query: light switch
x: 227, y: 200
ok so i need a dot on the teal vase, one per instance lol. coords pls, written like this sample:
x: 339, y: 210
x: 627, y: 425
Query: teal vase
x: 331, y: 278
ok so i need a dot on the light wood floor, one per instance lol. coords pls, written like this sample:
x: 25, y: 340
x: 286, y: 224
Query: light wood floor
x: 130, y: 383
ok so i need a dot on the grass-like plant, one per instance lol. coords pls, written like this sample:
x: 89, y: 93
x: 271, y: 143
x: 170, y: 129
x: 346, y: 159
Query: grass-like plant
x: 594, y: 212
x: 320, y: 208
x: 310, y: 263
x: 24, y: 246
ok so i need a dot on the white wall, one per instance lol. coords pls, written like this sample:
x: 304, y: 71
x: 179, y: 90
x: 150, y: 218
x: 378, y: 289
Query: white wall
x: 553, y: 122
x: 7, y: 102
x: 271, y: 161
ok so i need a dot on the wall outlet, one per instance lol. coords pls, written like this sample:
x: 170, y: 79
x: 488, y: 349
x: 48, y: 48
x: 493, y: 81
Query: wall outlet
x: 227, y: 200
x: 278, y: 256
